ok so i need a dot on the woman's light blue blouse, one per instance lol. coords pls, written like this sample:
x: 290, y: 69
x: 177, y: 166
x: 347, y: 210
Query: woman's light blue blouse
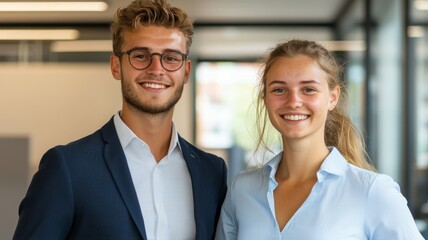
x: 346, y: 202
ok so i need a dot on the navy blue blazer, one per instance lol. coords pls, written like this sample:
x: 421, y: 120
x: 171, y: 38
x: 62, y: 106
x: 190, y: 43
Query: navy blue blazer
x: 84, y: 190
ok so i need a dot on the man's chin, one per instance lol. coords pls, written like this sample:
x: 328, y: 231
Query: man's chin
x: 150, y: 109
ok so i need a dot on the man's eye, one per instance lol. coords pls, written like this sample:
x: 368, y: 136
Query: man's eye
x: 140, y: 56
x: 171, y: 58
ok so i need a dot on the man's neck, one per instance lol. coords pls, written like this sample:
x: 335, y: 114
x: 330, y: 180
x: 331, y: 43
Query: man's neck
x: 154, y: 129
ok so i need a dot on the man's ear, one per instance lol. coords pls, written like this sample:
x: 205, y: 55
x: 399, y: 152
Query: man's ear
x: 188, y: 67
x: 115, y: 67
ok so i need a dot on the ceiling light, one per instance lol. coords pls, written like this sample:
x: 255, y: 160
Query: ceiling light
x: 39, y: 34
x: 415, y: 31
x: 52, y: 6
x: 82, y: 46
x: 421, y: 5
x: 345, y: 46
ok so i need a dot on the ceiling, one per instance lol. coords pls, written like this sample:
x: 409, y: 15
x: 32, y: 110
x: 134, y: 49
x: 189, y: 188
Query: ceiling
x: 224, y: 28
x: 206, y: 11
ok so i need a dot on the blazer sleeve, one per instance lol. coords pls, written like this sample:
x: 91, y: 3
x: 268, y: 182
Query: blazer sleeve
x: 221, y: 195
x: 46, y: 212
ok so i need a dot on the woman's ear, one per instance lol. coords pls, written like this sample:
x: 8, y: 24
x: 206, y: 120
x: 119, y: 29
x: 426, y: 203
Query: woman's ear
x: 334, y: 97
x: 115, y: 67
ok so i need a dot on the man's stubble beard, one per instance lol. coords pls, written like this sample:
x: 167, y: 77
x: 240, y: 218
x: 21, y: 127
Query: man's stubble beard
x: 131, y: 97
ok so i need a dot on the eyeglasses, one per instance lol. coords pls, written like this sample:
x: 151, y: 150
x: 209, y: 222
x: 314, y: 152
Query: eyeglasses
x: 141, y: 58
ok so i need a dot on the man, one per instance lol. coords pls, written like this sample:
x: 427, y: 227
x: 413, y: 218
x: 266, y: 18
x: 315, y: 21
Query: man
x: 135, y: 178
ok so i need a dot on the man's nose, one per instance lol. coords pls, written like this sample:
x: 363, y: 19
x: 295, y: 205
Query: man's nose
x: 155, y: 63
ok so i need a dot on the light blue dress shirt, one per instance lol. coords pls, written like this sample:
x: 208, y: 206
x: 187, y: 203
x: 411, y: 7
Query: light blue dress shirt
x: 346, y: 202
x: 163, y: 188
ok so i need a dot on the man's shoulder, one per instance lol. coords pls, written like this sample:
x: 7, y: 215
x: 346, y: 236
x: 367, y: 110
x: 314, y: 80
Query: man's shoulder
x: 89, y: 141
x: 195, y: 151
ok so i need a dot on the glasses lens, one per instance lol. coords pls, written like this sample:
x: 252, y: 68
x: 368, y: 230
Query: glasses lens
x: 139, y: 59
x: 171, y: 60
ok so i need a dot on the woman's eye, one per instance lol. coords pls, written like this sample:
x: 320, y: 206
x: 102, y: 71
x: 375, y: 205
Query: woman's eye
x: 278, y: 90
x: 308, y: 90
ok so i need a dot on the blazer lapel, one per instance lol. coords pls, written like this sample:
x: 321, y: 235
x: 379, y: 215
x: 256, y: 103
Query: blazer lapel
x: 116, y: 162
x: 196, y: 176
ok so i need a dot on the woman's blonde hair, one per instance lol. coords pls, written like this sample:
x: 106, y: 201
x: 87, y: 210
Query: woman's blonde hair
x: 150, y: 12
x: 339, y: 129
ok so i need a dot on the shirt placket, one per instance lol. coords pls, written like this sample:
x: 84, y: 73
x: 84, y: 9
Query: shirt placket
x: 162, y: 223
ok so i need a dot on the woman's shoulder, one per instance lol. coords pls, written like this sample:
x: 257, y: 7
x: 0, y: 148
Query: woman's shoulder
x: 362, y: 173
x: 246, y: 175
x: 371, y: 178
x: 249, y: 178
x: 377, y: 187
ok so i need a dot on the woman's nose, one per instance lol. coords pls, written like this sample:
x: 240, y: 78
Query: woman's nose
x: 294, y: 100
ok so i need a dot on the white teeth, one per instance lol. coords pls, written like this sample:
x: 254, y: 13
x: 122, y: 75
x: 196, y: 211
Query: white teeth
x: 296, y: 117
x: 154, y: 85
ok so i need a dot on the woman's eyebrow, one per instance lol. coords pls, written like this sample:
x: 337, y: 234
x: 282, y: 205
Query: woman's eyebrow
x: 310, y: 82
x: 277, y: 82
x: 303, y: 82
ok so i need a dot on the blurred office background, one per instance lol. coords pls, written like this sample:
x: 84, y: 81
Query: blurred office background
x: 56, y: 86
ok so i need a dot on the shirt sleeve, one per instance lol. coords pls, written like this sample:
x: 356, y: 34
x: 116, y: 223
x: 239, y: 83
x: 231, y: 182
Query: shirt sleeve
x: 227, y: 228
x: 387, y: 213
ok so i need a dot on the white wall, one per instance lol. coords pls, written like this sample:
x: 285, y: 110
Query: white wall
x: 56, y: 103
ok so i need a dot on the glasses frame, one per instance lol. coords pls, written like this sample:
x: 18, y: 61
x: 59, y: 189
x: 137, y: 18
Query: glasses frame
x: 128, y: 52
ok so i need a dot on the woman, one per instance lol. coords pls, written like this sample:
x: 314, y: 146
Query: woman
x: 320, y: 186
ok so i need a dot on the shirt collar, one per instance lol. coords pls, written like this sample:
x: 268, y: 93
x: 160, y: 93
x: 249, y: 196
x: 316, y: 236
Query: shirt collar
x: 272, y: 166
x: 334, y: 164
x: 126, y: 135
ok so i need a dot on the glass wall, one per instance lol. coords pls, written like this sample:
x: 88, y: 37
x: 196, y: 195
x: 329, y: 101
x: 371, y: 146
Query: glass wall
x: 417, y: 33
x: 387, y: 57
x: 374, y: 78
x: 420, y: 169
x: 350, y: 28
